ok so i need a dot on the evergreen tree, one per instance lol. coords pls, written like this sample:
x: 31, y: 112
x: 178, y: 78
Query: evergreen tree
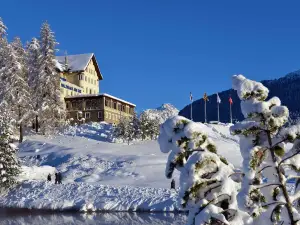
x: 207, y: 189
x: 9, y: 163
x: 136, y: 126
x: 3, y: 42
x: 15, y: 96
x: 120, y: 128
x: 267, y: 159
x: 33, y: 62
x: 18, y: 86
x: 153, y: 128
x: 145, y: 126
x: 51, y: 109
x: 149, y: 127
x: 127, y: 129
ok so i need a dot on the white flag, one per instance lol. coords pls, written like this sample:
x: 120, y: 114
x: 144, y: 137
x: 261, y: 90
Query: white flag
x: 218, y: 99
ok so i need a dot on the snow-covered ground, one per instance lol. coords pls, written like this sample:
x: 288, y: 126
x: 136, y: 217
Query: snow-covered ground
x: 95, y: 171
x: 89, y: 197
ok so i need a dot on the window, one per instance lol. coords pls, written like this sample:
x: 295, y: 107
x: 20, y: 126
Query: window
x: 115, y: 105
x: 119, y: 107
x: 68, y: 105
x: 80, y: 77
x: 106, y: 102
x: 100, y: 115
x: 87, y: 115
x: 79, y: 115
x: 91, y: 91
x: 123, y: 108
x: 109, y: 115
x: 87, y: 90
x: 85, y: 78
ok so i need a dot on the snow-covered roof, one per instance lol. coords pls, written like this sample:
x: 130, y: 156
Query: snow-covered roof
x: 118, y: 99
x: 77, y: 63
x: 103, y: 95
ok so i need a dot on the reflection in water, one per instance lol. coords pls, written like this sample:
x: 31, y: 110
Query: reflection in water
x: 72, y: 218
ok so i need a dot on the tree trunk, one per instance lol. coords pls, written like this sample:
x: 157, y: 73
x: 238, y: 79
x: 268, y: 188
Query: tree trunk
x: 20, y: 125
x: 21, y: 133
x: 281, y: 181
x: 36, y: 124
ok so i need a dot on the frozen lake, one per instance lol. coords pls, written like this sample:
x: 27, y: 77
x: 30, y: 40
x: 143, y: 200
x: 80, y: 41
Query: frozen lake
x: 24, y: 217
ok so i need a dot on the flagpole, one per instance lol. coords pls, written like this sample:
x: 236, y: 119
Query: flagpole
x: 205, y: 111
x: 218, y: 112
x: 230, y: 113
x: 192, y: 110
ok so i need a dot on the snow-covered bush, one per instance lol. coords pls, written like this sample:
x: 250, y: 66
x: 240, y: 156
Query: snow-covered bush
x: 9, y: 163
x: 267, y: 159
x: 207, y: 189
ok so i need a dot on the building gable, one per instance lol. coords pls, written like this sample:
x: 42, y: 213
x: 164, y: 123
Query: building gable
x: 78, y: 63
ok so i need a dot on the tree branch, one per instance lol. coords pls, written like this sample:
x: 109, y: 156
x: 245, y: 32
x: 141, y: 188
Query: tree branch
x: 263, y: 169
x: 267, y: 185
x: 283, y: 140
x: 272, y: 203
x: 289, y: 157
x: 271, y: 217
x: 236, y: 173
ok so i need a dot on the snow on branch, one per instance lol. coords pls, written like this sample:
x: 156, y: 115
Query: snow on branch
x: 207, y: 190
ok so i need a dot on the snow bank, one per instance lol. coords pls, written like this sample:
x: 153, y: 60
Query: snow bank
x: 86, y: 197
x: 100, y: 131
x: 36, y: 172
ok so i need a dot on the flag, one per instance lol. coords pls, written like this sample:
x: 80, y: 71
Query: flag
x: 230, y: 101
x: 191, y: 96
x: 218, y: 98
x: 205, y: 97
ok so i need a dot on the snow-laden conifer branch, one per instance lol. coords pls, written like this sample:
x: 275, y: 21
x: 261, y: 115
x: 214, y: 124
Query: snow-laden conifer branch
x: 264, y: 150
x: 207, y: 190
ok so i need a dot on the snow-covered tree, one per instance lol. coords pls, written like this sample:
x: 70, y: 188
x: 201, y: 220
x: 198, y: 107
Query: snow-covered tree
x: 120, y: 128
x: 207, y: 189
x: 136, y: 126
x: 51, y: 111
x: 128, y: 129
x: 149, y: 127
x: 9, y: 163
x: 33, y: 61
x: 18, y: 86
x: 153, y: 128
x: 3, y: 42
x: 268, y: 159
x: 15, y: 95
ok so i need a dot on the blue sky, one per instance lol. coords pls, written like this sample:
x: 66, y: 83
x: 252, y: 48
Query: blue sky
x: 156, y: 51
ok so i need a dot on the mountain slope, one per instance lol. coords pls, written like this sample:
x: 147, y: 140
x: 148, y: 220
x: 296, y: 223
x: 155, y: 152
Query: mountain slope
x: 162, y: 113
x: 286, y: 88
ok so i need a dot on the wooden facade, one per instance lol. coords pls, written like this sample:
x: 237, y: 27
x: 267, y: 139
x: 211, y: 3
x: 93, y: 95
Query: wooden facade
x: 97, y: 108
